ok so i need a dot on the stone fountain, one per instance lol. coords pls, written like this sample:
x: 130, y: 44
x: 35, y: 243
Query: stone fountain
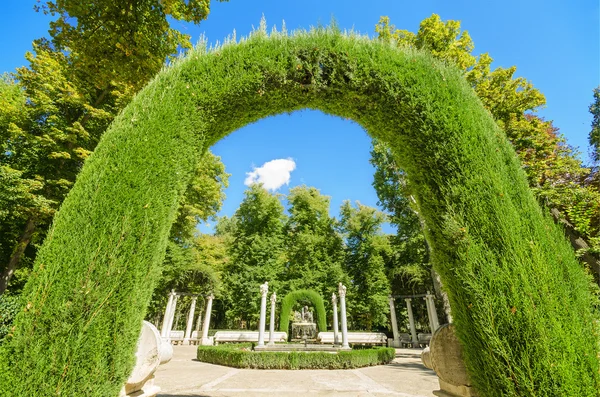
x: 303, y: 326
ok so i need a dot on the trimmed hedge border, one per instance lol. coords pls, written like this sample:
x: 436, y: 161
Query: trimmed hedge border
x: 241, y: 356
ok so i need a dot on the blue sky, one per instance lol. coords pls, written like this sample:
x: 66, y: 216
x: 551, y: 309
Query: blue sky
x: 554, y: 44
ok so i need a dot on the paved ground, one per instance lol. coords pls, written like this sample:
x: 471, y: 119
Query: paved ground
x: 183, y: 376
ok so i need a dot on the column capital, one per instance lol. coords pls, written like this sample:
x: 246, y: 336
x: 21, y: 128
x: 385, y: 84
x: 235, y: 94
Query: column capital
x: 342, y: 290
x: 390, y: 298
x: 408, y: 300
x: 264, y: 289
x: 273, y: 298
x: 333, y: 298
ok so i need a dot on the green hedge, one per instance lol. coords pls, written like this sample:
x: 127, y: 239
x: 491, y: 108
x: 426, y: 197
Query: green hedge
x: 288, y: 303
x: 235, y: 356
x: 520, y: 300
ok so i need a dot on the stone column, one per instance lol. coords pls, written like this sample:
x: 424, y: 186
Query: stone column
x: 436, y: 321
x: 411, y: 320
x: 394, y: 322
x: 272, y: 323
x: 205, y: 341
x: 336, y: 337
x: 190, y: 322
x: 264, y: 289
x: 172, y: 316
x: 342, y: 292
x: 165, y: 324
x: 429, y: 315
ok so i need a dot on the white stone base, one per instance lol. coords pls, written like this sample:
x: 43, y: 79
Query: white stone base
x: 208, y: 341
x: 450, y: 390
x: 394, y: 343
x: 148, y: 390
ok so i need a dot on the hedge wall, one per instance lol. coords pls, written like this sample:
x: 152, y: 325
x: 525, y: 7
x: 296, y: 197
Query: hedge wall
x: 519, y: 298
x: 234, y: 356
x: 288, y: 303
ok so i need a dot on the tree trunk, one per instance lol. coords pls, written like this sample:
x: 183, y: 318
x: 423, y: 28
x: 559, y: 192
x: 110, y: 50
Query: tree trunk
x: 17, y: 254
x: 578, y: 243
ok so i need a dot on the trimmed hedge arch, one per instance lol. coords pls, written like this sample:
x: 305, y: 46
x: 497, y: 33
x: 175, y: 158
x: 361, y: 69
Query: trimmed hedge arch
x: 520, y: 300
x: 304, y: 294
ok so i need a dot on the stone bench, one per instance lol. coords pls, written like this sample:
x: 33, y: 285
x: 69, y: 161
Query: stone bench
x: 424, y: 339
x: 176, y: 337
x: 359, y: 338
x: 247, y: 336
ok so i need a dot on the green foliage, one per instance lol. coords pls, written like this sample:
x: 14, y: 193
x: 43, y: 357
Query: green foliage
x: 290, y: 299
x: 594, y: 137
x: 506, y: 266
x: 313, y: 247
x: 367, y: 250
x: 98, y: 55
x: 9, y: 306
x: 256, y: 253
x: 407, y: 267
x: 243, y: 357
x: 553, y: 168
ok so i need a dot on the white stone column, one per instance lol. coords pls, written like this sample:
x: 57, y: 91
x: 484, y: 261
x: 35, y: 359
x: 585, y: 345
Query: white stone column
x: 342, y: 292
x: 272, y: 323
x: 264, y: 289
x: 436, y: 321
x: 190, y: 322
x: 336, y: 337
x: 205, y: 341
x: 172, y: 316
x: 394, y: 322
x: 165, y: 324
x: 429, y: 315
x: 411, y: 320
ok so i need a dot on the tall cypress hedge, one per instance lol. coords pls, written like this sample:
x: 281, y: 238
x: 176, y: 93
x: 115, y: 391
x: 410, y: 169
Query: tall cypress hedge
x: 520, y: 299
x: 302, y: 295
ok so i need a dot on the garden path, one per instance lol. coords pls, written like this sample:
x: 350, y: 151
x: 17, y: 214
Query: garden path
x: 183, y: 376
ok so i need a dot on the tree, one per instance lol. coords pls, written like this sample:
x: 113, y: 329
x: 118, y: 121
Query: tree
x: 408, y: 267
x: 193, y: 262
x: 257, y: 252
x: 594, y: 137
x: 553, y: 168
x: 366, y: 251
x: 313, y: 247
x: 98, y: 56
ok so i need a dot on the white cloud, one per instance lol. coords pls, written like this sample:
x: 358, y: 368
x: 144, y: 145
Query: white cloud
x: 273, y: 174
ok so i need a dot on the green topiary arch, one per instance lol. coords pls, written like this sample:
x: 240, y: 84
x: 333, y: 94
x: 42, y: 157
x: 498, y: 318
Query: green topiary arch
x: 519, y: 298
x: 304, y: 294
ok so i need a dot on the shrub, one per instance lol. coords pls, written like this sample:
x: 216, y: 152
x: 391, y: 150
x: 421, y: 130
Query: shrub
x: 242, y: 357
x: 288, y: 303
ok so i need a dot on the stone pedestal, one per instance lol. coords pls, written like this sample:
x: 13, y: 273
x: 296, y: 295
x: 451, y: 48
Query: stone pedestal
x: 411, y: 320
x: 396, y: 341
x: 264, y: 289
x: 272, y: 322
x: 342, y: 292
x: 151, y: 352
x: 336, y: 332
x: 206, y: 341
x: 190, y: 322
x: 446, y: 359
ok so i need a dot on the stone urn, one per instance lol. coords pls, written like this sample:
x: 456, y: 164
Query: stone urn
x: 445, y: 357
x: 151, y: 352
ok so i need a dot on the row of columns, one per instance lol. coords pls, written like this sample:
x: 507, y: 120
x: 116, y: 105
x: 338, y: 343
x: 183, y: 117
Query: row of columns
x: 431, y: 314
x: 167, y: 324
